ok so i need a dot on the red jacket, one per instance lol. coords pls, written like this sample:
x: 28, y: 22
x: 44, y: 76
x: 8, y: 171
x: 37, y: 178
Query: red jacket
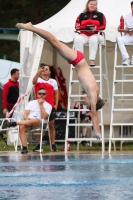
x: 90, y: 18
x: 10, y: 93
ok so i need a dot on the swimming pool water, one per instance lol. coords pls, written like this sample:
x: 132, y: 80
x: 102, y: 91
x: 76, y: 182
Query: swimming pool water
x: 75, y: 177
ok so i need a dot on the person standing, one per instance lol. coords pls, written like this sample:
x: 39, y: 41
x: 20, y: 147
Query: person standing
x: 42, y: 79
x: 10, y: 92
x: 87, y: 25
x: 127, y: 37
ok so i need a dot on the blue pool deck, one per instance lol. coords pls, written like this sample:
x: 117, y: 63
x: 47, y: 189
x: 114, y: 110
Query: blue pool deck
x: 66, y: 177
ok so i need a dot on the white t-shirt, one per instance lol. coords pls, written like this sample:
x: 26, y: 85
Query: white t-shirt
x: 34, y: 108
x: 128, y: 20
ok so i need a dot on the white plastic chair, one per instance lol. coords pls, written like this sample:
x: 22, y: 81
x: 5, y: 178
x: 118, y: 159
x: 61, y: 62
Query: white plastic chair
x: 13, y: 132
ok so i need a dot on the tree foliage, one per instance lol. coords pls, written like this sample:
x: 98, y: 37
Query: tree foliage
x: 24, y: 11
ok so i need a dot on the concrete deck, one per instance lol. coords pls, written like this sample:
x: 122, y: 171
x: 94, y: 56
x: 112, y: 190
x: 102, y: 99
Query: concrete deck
x: 12, y: 153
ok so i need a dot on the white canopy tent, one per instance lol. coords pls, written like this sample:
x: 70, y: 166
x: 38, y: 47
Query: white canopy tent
x: 62, y: 25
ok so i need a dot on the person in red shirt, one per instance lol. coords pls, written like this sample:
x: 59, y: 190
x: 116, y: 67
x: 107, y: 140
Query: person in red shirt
x: 87, y: 25
x: 42, y: 79
x: 10, y: 92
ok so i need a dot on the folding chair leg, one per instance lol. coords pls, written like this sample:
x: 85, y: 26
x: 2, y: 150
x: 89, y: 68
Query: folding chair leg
x: 15, y: 146
x: 16, y: 142
x: 47, y: 128
x: 41, y: 138
x: 49, y: 139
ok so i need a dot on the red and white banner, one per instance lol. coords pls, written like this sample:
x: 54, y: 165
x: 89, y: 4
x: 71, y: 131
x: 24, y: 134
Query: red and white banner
x: 62, y: 84
x: 18, y: 101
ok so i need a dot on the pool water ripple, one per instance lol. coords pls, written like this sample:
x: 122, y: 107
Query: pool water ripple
x: 66, y: 177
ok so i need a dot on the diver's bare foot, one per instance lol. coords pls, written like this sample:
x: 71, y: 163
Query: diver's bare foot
x: 24, y: 26
x: 92, y: 63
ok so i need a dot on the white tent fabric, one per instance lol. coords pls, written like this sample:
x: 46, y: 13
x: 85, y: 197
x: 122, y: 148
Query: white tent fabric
x: 31, y: 48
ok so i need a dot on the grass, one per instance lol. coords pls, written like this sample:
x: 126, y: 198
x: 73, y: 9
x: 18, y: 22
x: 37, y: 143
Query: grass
x: 127, y: 146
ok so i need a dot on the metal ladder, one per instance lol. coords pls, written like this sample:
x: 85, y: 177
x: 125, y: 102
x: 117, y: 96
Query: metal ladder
x: 118, y: 102
x: 99, y: 79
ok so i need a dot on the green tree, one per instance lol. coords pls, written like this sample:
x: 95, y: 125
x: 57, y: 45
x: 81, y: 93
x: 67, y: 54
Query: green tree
x: 35, y: 11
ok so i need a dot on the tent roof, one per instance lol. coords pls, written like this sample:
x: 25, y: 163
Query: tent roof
x: 62, y: 24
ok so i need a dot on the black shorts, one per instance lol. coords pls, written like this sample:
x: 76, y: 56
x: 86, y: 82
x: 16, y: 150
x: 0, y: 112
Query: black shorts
x: 52, y: 115
x: 9, y: 108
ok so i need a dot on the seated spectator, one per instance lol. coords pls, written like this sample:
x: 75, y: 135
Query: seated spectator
x: 127, y: 37
x: 91, y: 20
x: 85, y: 117
x: 35, y: 111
